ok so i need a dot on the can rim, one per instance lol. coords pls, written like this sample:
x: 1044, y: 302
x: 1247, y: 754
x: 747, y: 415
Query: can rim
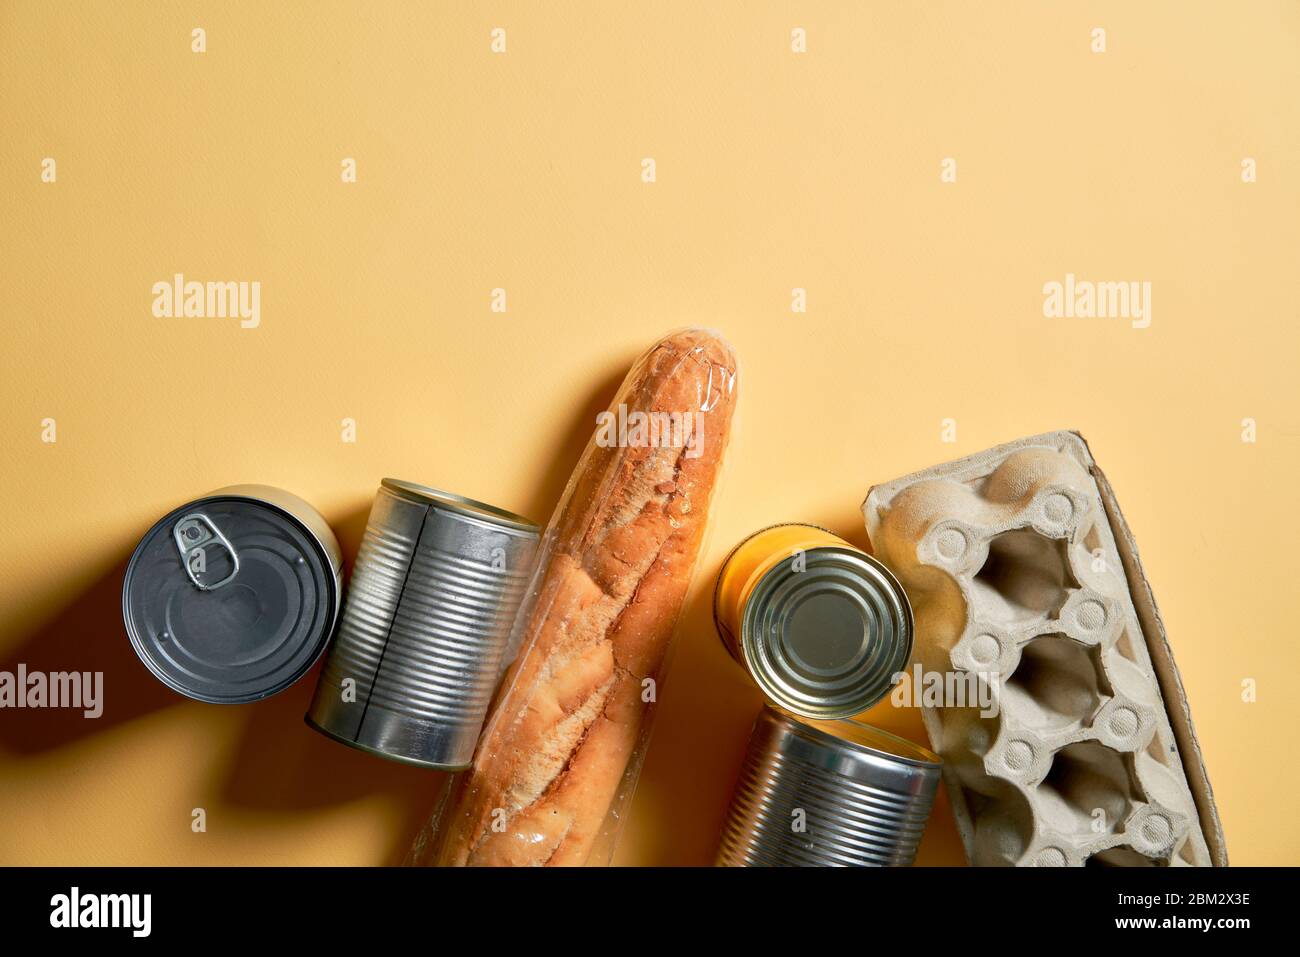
x: 869, y: 695
x: 846, y: 732
x: 717, y: 581
x: 332, y: 575
x: 311, y: 521
x: 428, y: 495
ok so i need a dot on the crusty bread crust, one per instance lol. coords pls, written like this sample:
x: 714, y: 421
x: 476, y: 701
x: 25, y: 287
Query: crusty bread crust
x: 615, y: 569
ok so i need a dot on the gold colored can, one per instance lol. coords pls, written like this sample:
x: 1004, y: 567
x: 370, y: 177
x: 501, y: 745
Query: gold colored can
x: 821, y: 626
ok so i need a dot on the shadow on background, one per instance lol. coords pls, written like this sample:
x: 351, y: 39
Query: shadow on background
x: 283, y: 765
x: 280, y: 764
x: 568, y: 450
x: 710, y: 707
x: 85, y: 635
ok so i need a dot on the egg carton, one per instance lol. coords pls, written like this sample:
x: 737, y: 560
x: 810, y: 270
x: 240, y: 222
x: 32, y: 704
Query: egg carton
x: 1023, y: 575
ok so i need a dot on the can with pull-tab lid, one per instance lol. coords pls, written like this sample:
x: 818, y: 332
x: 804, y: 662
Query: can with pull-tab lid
x: 232, y: 597
x: 426, y: 627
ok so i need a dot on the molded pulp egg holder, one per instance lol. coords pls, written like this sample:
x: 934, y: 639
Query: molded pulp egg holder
x: 1021, y: 568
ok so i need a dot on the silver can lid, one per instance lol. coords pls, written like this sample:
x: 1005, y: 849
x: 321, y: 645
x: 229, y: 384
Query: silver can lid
x: 437, y: 498
x: 825, y: 631
x: 229, y: 599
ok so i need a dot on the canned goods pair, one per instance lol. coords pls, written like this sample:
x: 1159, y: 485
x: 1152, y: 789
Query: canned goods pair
x: 232, y: 597
x: 425, y: 630
x: 821, y: 626
x: 827, y: 794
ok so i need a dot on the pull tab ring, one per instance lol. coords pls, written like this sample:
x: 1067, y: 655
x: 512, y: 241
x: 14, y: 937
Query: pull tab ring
x: 193, y: 534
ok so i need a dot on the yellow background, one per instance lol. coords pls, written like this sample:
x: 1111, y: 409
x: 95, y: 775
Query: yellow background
x: 774, y: 170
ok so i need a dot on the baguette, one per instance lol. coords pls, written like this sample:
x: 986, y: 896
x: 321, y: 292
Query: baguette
x: 613, y: 577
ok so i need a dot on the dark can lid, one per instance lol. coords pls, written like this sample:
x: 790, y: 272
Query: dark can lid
x: 824, y: 638
x: 230, y: 599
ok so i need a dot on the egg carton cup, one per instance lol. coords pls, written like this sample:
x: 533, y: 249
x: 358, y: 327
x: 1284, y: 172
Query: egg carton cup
x: 1023, y: 575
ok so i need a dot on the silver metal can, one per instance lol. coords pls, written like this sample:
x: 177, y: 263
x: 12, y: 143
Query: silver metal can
x: 828, y: 794
x: 232, y: 597
x: 822, y: 627
x: 434, y: 591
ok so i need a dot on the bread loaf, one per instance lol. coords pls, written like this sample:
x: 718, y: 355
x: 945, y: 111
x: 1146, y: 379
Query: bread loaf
x: 614, y: 571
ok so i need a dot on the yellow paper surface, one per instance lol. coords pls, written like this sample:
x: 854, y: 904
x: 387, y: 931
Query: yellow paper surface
x: 522, y: 171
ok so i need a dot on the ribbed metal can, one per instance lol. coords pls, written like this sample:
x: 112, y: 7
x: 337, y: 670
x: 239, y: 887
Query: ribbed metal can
x: 425, y: 628
x: 828, y: 794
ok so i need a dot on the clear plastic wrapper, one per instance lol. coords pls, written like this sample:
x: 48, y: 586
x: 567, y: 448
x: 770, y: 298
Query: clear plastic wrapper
x: 559, y: 757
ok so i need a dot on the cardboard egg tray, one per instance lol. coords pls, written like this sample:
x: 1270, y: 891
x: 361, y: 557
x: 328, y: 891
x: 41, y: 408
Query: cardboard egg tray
x: 1023, y: 574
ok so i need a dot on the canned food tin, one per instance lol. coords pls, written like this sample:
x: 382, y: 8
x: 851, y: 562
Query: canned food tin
x: 821, y: 626
x: 828, y: 794
x: 433, y: 595
x: 232, y: 597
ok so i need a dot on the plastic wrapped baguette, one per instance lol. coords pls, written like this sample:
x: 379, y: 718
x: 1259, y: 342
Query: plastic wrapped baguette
x: 560, y: 754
